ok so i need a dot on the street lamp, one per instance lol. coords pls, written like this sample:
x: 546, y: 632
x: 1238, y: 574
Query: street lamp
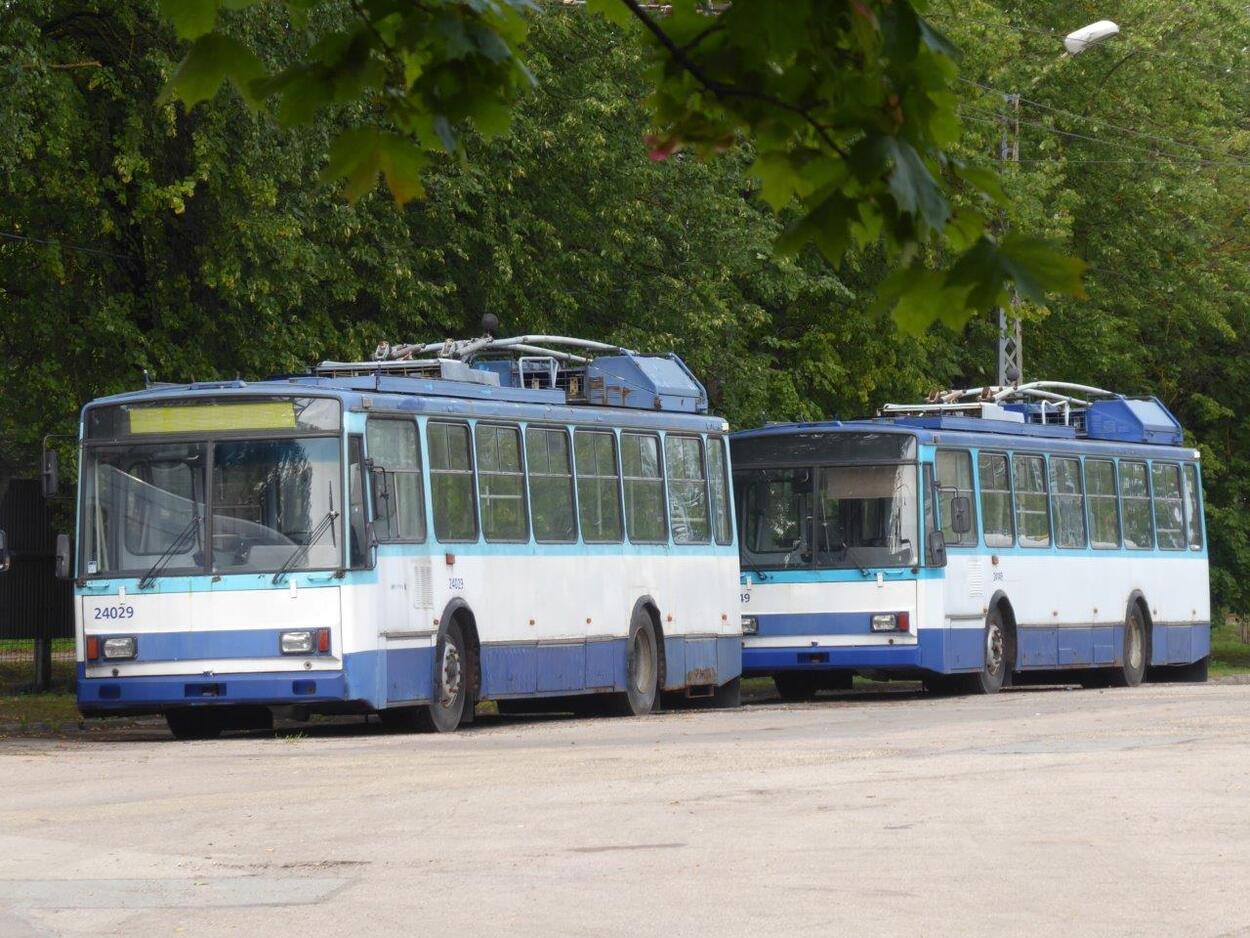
x: 1010, y: 347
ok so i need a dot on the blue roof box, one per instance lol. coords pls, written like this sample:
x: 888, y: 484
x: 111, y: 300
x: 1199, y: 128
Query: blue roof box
x: 653, y: 382
x: 1144, y: 420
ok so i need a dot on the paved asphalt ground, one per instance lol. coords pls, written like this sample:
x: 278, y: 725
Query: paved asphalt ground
x: 1039, y: 811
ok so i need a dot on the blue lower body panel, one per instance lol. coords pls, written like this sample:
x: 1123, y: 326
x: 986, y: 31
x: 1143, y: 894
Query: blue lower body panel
x: 954, y: 651
x: 108, y: 695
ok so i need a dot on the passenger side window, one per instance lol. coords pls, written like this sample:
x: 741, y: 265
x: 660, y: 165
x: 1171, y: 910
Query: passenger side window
x: 1169, y: 506
x: 451, y: 481
x: 644, y: 487
x: 598, y: 486
x: 718, y: 481
x: 396, y: 455
x: 996, y: 500
x: 1193, y: 509
x: 501, y: 483
x: 1032, y: 504
x: 1104, y: 506
x: 1135, y: 498
x: 954, y: 479
x: 1068, y: 499
x: 687, y: 489
x: 551, y: 485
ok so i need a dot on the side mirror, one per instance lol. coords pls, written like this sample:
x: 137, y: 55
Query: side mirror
x: 64, y: 557
x: 50, y: 473
x: 5, y: 557
x: 961, y: 514
x: 936, y: 549
x: 380, y: 488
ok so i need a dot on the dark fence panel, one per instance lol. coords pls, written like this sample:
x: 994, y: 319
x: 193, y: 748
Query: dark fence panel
x: 33, y: 602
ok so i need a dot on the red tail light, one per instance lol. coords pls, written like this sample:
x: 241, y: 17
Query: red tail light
x: 93, y: 648
x: 323, y: 640
x: 904, y: 622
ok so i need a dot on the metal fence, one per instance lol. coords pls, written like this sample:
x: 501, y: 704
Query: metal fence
x: 36, y: 609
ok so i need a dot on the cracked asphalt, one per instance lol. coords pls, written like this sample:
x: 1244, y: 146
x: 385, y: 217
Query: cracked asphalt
x: 1114, y: 812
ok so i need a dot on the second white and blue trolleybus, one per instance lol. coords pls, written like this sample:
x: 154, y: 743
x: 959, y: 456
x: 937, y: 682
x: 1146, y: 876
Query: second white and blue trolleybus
x: 987, y: 535
x: 490, y: 519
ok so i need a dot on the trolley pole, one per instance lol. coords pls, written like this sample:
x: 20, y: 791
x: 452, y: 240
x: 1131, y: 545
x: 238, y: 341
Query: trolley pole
x: 1010, y: 347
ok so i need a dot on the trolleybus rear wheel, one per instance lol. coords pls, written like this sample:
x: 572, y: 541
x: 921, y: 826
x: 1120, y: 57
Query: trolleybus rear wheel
x: 642, y: 669
x: 1131, y: 672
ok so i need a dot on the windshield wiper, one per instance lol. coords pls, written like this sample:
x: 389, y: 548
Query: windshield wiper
x: 758, y: 572
x: 846, y: 552
x: 300, y: 554
x: 174, y: 548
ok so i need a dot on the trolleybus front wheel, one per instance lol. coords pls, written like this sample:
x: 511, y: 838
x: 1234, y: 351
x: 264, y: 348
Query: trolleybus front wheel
x: 451, y: 691
x: 998, y: 657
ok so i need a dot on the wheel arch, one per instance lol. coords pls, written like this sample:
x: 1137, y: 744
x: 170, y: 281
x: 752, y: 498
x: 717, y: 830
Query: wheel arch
x: 645, y: 603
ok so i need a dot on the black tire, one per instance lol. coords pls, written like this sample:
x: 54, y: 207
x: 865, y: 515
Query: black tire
x: 452, y: 672
x: 728, y: 696
x: 193, y: 723
x: 642, y: 670
x: 796, y: 686
x: 1136, y: 655
x: 993, y: 674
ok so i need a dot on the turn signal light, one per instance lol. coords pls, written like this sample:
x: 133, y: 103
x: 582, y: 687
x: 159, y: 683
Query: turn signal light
x: 93, y: 648
x: 323, y: 640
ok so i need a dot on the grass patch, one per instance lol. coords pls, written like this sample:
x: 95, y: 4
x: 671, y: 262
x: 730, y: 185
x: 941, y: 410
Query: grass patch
x: 1229, y: 654
x: 38, y: 713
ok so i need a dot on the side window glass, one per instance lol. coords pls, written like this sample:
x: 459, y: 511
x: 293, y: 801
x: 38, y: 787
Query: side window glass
x: 1104, y: 506
x: 718, y: 481
x: 1135, y: 499
x: 1032, y: 505
x: 451, y: 481
x: 687, y: 489
x: 1193, y: 509
x: 501, y: 483
x: 1068, y: 499
x: 996, y: 500
x: 954, y: 479
x: 551, y: 485
x: 1169, y: 506
x: 396, y: 456
x: 598, y: 485
x: 644, y: 487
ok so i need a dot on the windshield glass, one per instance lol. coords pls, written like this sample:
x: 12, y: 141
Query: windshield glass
x: 267, y: 499
x: 832, y: 517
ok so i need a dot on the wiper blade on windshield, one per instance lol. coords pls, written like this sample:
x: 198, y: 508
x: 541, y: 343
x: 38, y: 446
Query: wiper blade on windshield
x: 853, y: 558
x: 174, y: 548
x: 300, y: 554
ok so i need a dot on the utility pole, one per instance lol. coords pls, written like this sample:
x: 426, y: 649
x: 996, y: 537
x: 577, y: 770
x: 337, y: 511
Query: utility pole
x: 1010, y: 348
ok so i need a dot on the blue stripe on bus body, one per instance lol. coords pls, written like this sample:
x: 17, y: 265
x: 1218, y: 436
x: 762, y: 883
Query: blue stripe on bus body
x: 888, y: 574
x: 203, y: 645
x: 399, y: 676
x: 952, y: 651
x: 818, y: 623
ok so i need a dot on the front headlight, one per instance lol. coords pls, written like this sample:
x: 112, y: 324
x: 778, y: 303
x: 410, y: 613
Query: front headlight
x: 122, y: 647
x: 296, y: 643
x: 750, y: 625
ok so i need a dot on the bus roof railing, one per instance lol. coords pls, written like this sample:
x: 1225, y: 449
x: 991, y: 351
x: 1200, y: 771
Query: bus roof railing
x: 586, y: 371
x: 1088, y: 411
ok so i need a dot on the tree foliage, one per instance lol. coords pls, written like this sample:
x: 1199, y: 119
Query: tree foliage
x: 849, y: 106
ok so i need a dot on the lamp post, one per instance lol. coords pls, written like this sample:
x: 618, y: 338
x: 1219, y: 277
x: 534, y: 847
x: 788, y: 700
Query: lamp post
x: 1010, y: 348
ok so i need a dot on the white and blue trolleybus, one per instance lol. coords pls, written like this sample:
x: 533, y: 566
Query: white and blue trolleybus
x: 989, y: 535
x: 488, y: 519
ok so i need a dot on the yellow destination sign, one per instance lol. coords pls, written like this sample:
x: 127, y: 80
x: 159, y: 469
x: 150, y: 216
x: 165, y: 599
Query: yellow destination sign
x: 209, y: 418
